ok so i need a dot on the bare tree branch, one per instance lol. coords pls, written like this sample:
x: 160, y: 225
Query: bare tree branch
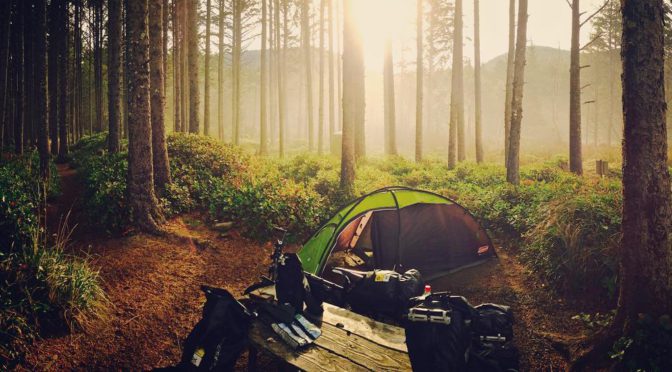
x: 597, y: 37
x: 594, y: 14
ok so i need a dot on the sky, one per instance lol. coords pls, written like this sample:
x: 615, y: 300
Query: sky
x: 549, y: 24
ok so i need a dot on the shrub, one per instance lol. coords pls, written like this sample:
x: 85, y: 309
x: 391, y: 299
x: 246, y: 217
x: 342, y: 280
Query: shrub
x: 42, y: 288
x: 573, y: 246
x: 648, y: 348
x: 104, y: 178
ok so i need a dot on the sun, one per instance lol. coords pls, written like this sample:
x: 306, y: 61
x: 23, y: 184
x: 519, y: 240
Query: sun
x: 380, y: 19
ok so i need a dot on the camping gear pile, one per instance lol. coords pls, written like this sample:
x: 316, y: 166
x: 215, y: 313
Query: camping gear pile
x: 446, y: 333
x: 375, y: 237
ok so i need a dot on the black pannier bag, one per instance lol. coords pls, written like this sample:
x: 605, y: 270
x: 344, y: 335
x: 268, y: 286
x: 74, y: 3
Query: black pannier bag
x: 220, y: 336
x: 494, y: 322
x: 383, y: 292
x: 493, y: 339
x: 292, y: 287
x: 438, y: 333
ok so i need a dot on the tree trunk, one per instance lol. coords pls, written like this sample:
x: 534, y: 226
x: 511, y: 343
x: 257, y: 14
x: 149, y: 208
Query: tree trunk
x: 30, y: 85
x: 320, y: 130
x: 420, y: 71
x: 114, y: 73
x: 63, y: 32
x: 192, y: 40
x: 332, y: 55
x: 142, y: 200
x: 645, y: 247
x: 206, y: 68
x: 308, y: 66
x: 19, y: 68
x: 5, y: 18
x: 509, y: 79
x: 165, y: 8
x: 575, y: 161
x: 351, y: 48
x: 184, y: 65
x: 78, y: 92
x: 235, y: 69
x: 98, y: 62
x: 40, y: 78
x: 177, y: 76
x: 53, y: 78
x: 220, y: 72
x: 512, y: 169
x: 159, y: 148
x: 388, y: 99
x: 456, y: 135
x: 339, y: 64
x: 281, y: 76
x: 263, y: 115
x: 477, y: 83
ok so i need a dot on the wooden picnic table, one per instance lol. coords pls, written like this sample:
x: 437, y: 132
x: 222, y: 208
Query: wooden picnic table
x: 349, y: 342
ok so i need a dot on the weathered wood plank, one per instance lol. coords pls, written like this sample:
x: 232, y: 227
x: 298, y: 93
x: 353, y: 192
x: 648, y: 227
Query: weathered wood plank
x: 383, y: 334
x: 309, y: 359
x: 362, y: 351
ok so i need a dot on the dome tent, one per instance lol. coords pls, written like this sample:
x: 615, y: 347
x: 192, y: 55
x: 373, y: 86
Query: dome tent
x: 399, y: 228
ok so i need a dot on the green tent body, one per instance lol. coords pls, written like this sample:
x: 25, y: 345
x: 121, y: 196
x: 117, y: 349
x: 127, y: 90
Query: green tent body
x: 399, y: 228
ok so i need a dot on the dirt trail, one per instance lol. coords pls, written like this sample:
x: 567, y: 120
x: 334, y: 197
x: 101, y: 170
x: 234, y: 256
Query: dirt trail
x: 153, y: 284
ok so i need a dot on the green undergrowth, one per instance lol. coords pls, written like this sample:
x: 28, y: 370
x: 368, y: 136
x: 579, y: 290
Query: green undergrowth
x: 42, y: 289
x: 564, y: 227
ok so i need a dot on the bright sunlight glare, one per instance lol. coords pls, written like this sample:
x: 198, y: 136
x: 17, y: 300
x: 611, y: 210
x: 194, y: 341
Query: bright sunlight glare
x: 378, y: 19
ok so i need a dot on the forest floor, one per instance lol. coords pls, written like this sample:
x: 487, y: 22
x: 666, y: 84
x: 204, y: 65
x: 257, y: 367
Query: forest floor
x: 152, y: 284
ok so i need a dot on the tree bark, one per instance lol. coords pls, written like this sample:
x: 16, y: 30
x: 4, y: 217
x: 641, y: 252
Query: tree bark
x: 18, y: 85
x: 52, y: 70
x: 177, y: 71
x: 40, y: 78
x: 509, y: 79
x: 165, y: 9
x: 388, y: 99
x: 456, y: 135
x: 351, y: 49
x: 220, y: 72
x: 98, y: 62
x: 5, y: 33
x: 320, y: 129
x: 159, y: 148
x: 308, y: 69
x: 142, y: 199
x: 512, y: 169
x: 332, y: 55
x: 63, y: 56
x: 236, y: 50
x: 206, y: 67
x: 113, y: 74
x: 420, y: 72
x: 192, y: 50
x: 645, y: 245
x: 263, y: 115
x: 282, y: 104
x: 30, y: 85
x: 477, y: 83
x: 575, y: 161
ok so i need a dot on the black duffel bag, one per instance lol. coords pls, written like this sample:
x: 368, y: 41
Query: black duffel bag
x: 381, y: 292
x: 219, y: 337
